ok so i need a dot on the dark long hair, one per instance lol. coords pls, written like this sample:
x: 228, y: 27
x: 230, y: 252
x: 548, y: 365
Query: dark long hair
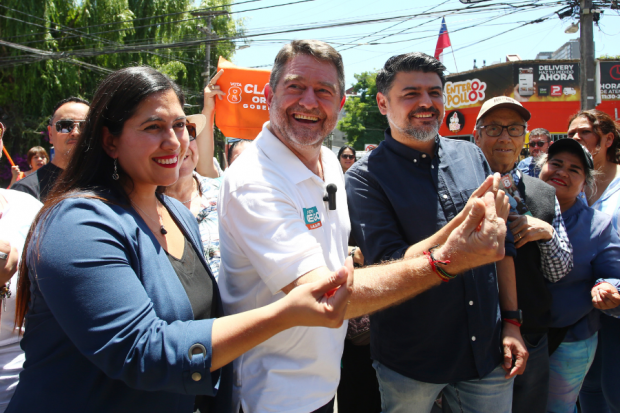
x: 343, y: 148
x: 89, y: 172
x: 602, y: 124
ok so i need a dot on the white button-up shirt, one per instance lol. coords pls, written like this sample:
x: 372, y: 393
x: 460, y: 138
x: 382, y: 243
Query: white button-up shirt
x: 274, y: 228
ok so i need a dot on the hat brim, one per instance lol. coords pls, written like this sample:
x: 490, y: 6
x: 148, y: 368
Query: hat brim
x: 571, y: 146
x: 525, y: 114
x: 199, y: 120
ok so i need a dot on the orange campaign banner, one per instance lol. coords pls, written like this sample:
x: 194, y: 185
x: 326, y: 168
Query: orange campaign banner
x: 243, y: 111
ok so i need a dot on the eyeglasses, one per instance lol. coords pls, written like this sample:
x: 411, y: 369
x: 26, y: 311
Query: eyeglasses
x: 347, y: 156
x: 67, y: 125
x: 495, y: 130
x: 540, y: 144
x: 191, y: 129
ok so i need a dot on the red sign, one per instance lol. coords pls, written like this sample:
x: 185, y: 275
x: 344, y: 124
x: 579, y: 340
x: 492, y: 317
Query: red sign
x: 614, y: 72
x: 556, y: 90
x: 370, y: 146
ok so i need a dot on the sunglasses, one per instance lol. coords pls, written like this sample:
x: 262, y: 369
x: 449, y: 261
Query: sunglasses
x: 191, y: 129
x: 540, y: 144
x: 347, y: 156
x: 67, y: 125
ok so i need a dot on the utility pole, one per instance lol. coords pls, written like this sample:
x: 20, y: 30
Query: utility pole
x: 218, y: 144
x: 209, y: 32
x: 587, y: 75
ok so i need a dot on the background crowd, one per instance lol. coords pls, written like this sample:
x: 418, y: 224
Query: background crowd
x: 139, y: 276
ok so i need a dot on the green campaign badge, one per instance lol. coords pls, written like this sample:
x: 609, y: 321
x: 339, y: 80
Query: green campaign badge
x: 312, y: 218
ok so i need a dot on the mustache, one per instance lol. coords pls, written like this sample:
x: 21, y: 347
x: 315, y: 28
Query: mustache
x: 420, y: 110
x: 304, y: 111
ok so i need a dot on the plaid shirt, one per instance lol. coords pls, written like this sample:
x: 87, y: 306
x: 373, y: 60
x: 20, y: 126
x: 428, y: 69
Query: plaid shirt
x: 557, y: 253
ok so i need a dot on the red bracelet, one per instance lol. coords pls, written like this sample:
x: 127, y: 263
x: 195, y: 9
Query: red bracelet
x: 513, y: 322
x: 431, y: 260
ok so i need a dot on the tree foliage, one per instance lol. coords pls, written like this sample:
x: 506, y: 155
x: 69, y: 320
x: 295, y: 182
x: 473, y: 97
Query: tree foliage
x: 363, y: 123
x: 29, y: 90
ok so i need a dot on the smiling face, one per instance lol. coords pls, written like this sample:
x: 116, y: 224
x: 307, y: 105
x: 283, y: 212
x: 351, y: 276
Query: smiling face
x: 304, y: 107
x: 502, y: 151
x: 64, y: 142
x: 348, y: 161
x: 414, y: 106
x: 152, y: 142
x: 565, y: 172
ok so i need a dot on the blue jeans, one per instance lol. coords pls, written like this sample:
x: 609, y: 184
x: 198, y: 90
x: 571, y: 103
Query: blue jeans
x: 600, y: 392
x: 532, y: 387
x: 567, y: 369
x: 400, y: 394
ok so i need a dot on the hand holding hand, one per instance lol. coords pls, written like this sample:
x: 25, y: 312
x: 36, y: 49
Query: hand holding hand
x: 211, y: 91
x: 605, y: 296
x: 480, y: 238
x: 8, y: 266
x: 317, y: 304
x: 526, y: 228
x: 513, y: 345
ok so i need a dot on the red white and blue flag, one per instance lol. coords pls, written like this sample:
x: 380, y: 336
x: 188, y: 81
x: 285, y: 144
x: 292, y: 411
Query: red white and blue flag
x: 443, y: 41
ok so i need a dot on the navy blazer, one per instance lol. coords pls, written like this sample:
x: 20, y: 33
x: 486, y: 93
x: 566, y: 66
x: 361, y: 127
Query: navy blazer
x: 109, y: 326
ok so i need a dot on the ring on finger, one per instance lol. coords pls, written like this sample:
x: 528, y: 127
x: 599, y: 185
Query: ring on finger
x: 518, y: 235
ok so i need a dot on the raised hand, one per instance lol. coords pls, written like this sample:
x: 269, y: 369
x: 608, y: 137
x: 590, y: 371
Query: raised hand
x: 479, y: 239
x: 211, y: 91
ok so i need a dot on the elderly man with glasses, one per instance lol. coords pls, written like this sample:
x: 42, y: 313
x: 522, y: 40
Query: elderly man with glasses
x: 540, y: 140
x: 63, y: 130
x: 544, y: 253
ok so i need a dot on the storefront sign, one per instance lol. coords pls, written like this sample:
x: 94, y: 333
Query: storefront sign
x: 610, y: 80
x: 464, y: 93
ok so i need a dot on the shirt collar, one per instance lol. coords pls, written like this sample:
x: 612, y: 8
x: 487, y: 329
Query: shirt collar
x: 407, y: 152
x: 283, y: 158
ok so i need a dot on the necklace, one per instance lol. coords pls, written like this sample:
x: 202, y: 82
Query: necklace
x: 161, y: 225
x: 197, y: 193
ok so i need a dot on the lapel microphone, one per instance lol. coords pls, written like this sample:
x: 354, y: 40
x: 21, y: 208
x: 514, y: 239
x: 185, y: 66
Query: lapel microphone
x: 331, y: 196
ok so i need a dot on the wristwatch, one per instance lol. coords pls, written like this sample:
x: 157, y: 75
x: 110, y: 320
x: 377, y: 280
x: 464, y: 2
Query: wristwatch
x: 516, y: 315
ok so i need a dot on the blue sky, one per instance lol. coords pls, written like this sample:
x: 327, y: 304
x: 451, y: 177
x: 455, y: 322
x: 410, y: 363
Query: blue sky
x: 419, y: 34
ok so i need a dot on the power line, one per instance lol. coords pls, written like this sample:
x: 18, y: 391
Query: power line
x: 124, y: 21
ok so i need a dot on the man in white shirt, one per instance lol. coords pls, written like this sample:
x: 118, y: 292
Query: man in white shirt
x: 278, y: 229
x: 17, y: 211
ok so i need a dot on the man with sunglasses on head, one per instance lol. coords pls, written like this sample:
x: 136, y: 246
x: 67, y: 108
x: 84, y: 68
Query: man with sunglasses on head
x: 540, y: 141
x: 63, y: 130
x: 544, y: 253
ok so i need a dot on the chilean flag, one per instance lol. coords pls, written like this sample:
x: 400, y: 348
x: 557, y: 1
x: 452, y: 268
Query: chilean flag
x: 443, y: 41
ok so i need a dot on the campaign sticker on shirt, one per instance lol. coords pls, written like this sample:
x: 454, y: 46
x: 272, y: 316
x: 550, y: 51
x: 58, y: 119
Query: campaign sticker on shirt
x: 312, y: 218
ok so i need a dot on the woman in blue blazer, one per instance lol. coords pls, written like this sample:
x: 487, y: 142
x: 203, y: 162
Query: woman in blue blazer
x: 120, y: 308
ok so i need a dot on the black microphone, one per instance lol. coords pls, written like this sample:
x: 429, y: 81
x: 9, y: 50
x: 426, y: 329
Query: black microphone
x: 331, y: 196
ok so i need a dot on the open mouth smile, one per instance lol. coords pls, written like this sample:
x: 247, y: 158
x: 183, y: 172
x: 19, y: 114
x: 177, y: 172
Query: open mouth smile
x: 305, y: 118
x: 558, y: 181
x: 167, y: 161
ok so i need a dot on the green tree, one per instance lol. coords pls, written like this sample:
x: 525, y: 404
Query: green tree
x: 363, y: 123
x: 30, y: 85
